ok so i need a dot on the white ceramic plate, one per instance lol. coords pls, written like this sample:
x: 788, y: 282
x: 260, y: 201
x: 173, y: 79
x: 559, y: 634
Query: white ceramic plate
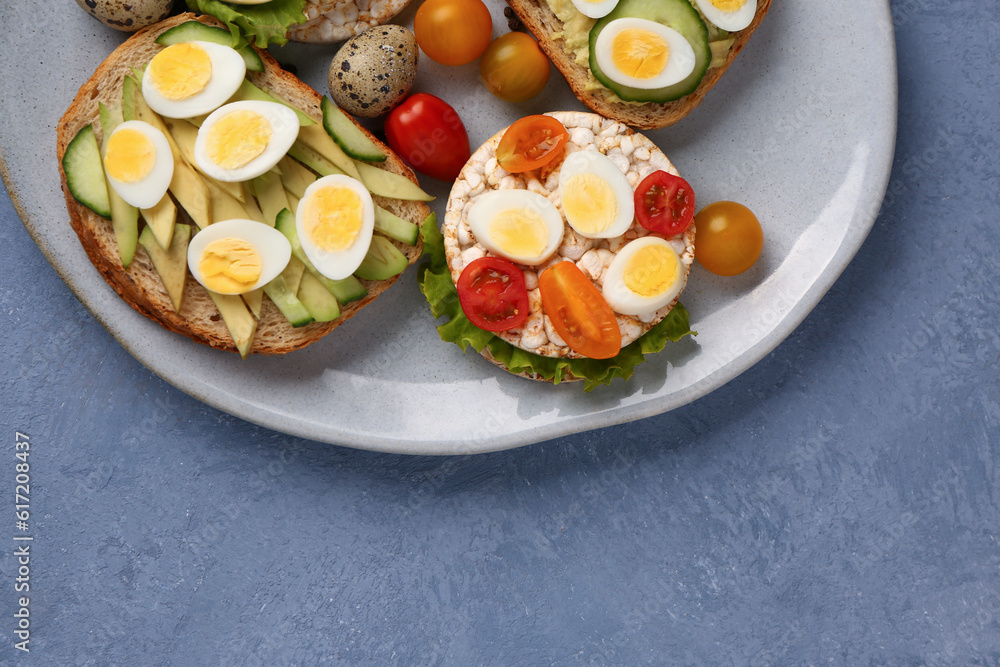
x: 801, y: 129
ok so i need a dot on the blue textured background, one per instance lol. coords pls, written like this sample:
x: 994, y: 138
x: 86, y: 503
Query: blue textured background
x: 839, y: 502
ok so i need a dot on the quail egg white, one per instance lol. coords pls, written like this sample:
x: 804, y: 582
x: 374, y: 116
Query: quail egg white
x: 138, y: 163
x: 242, y: 140
x: 731, y: 15
x: 595, y: 9
x: 597, y: 199
x: 644, y: 276
x: 334, y: 221
x: 519, y: 225
x: 237, y: 256
x: 643, y: 54
x: 192, y: 78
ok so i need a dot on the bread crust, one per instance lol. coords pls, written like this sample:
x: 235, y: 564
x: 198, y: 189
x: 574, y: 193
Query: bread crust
x: 140, y: 286
x: 542, y: 22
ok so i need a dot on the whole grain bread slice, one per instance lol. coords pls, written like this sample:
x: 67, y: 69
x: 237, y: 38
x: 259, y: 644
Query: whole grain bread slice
x: 543, y: 23
x: 140, y: 286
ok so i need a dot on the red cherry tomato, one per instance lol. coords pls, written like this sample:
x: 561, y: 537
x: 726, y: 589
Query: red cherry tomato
x: 492, y: 293
x: 664, y: 203
x: 730, y: 238
x: 453, y: 32
x: 513, y: 67
x: 579, y: 312
x: 429, y: 135
x: 530, y: 143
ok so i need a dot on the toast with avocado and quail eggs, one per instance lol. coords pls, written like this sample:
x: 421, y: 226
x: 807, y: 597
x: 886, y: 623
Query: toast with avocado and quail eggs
x: 185, y: 165
x: 646, y: 63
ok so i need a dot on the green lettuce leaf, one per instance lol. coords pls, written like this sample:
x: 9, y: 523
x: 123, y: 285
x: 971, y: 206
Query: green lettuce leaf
x: 436, y: 284
x: 263, y: 24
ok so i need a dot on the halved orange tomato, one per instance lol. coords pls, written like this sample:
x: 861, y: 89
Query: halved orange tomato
x: 579, y: 312
x: 530, y: 143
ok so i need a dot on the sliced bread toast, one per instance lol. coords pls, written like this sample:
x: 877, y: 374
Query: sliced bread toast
x: 140, y: 285
x: 543, y: 23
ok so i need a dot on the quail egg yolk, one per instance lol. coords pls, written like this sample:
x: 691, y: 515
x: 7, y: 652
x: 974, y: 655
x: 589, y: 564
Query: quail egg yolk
x: 590, y: 203
x: 519, y: 232
x: 651, y: 271
x: 237, y: 138
x: 728, y: 5
x: 180, y: 71
x: 230, y: 265
x: 640, y: 53
x: 130, y: 156
x: 333, y: 218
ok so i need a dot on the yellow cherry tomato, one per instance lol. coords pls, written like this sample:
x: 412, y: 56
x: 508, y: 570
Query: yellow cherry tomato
x: 729, y: 238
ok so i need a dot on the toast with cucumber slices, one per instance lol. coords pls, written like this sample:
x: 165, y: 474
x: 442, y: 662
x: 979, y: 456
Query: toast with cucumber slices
x: 585, y: 52
x: 143, y: 252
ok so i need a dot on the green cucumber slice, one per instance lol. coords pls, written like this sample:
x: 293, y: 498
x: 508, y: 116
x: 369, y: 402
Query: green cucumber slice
x: 382, y: 261
x: 347, y: 290
x: 394, y: 227
x: 195, y: 31
x: 676, y: 14
x: 85, y: 173
x: 347, y: 135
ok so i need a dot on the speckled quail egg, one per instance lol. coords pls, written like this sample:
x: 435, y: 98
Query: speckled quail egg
x: 127, y: 15
x: 373, y: 71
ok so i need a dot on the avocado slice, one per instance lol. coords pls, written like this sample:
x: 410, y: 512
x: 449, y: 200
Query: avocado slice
x: 124, y: 216
x: 382, y: 261
x: 317, y: 299
x: 170, y: 263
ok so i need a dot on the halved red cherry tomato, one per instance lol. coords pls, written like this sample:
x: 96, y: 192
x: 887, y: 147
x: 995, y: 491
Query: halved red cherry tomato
x: 429, y: 135
x: 492, y: 294
x: 579, y: 312
x: 530, y: 143
x: 664, y: 203
x: 453, y: 32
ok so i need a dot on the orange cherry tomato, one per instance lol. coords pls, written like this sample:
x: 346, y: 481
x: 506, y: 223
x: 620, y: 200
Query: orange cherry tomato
x: 729, y: 238
x: 453, y: 32
x: 579, y: 312
x: 514, y: 68
x: 530, y: 143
